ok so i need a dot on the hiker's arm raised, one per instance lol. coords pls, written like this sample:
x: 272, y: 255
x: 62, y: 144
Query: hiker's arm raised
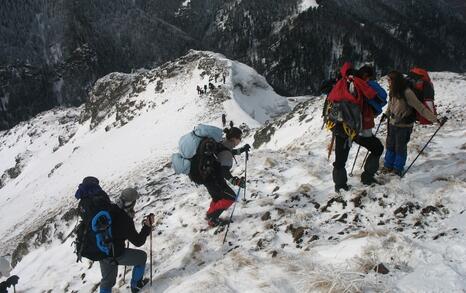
x: 137, y: 239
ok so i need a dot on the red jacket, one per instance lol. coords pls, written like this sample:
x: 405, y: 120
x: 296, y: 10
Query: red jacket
x: 341, y: 93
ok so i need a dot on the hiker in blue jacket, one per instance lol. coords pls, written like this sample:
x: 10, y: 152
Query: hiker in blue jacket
x: 123, y: 229
x: 371, y: 109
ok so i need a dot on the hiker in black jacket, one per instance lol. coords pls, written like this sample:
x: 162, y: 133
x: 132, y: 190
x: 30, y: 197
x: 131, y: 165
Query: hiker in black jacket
x: 124, y: 229
x: 222, y: 194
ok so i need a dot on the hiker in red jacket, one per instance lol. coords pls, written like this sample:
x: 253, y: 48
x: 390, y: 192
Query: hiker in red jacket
x: 353, y: 121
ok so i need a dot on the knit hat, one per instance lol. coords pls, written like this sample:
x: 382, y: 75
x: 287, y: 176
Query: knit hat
x: 127, y: 201
x: 233, y: 132
x: 129, y: 195
x: 89, y: 180
x: 89, y: 187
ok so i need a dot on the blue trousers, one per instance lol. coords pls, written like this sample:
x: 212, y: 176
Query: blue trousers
x: 397, y: 147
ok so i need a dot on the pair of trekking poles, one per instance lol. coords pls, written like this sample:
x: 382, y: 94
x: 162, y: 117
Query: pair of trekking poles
x: 367, y: 154
x: 238, y: 195
x: 150, y: 254
x: 228, y: 225
x: 410, y: 165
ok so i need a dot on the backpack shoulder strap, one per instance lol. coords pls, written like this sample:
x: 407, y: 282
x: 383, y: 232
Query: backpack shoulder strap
x: 194, y: 132
x: 221, y: 148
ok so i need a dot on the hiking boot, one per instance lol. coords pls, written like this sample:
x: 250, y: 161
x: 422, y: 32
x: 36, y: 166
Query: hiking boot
x: 215, y: 222
x: 398, y: 172
x: 369, y: 180
x: 345, y: 187
x: 386, y: 170
x: 139, y: 285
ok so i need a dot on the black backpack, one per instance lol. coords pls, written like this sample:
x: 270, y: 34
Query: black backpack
x: 204, y: 164
x: 94, y: 232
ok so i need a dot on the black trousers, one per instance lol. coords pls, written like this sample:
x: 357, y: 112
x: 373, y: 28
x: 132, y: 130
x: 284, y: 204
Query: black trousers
x: 219, y: 189
x: 342, y: 148
x: 222, y: 197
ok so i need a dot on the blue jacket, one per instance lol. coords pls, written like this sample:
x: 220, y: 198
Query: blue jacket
x: 380, y: 100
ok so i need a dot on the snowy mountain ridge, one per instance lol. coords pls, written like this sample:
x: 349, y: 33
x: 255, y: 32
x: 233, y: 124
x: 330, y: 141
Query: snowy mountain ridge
x: 292, y: 235
x: 40, y: 155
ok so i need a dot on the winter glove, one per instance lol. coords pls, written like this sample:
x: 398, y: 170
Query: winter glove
x: 245, y: 148
x: 442, y: 120
x: 13, y: 280
x: 241, y: 182
x: 149, y: 220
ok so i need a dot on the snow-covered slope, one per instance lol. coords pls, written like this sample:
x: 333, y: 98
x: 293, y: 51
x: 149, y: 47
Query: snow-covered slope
x: 43, y: 159
x: 293, y: 234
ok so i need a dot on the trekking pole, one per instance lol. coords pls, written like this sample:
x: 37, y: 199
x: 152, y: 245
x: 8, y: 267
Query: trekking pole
x: 150, y: 244
x: 354, y: 163
x: 430, y: 139
x: 124, y: 272
x: 367, y: 153
x: 245, y: 173
x: 231, y: 215
x: 330, y: 147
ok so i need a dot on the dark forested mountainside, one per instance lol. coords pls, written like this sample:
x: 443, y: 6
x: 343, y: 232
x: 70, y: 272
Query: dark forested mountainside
x: 297, y: 53
x: 53, y: 50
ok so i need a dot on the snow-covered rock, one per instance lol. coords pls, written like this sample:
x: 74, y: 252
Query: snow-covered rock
x: 306, y: 4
